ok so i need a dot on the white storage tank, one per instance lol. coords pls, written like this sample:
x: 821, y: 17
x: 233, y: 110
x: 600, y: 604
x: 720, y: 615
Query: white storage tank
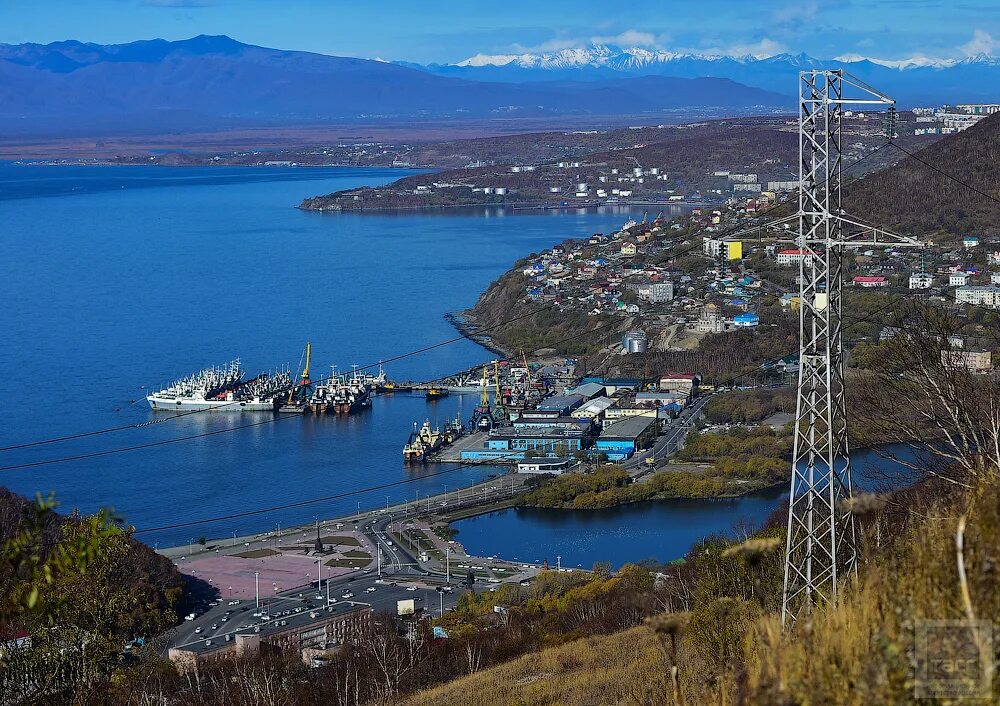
x: 634, y: 342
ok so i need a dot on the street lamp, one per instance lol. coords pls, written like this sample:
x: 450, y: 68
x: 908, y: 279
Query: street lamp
x: 256, y: 588
x: 234, y: 538
x: 447, y: 564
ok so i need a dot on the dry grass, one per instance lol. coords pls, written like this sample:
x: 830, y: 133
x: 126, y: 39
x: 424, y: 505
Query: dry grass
x: 624, y: 668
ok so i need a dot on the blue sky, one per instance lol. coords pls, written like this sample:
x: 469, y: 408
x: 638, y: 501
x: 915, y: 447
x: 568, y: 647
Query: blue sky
x: 428, y: 31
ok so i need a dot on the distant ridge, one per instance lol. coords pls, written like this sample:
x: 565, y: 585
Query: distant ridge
x: 215, y: 82
x: 916, y: 80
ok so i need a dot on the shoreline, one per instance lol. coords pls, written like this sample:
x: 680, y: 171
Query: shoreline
x: 514, y: 207
x: 465, y: 323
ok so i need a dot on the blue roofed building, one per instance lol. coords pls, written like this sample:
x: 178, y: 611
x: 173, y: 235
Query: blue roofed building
x: 622, y: 439
x: 746, y: 320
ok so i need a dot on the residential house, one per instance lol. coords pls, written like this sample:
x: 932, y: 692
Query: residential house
x: 921, y: 280
x: 868, y: 281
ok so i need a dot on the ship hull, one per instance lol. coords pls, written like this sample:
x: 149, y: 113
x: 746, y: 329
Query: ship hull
x: 166, y: 404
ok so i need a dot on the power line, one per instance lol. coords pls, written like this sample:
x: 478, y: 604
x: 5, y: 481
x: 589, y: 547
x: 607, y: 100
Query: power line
x: 944, y: 173
x: 326, y: 498
x: 369, y: 489
x: 64, y: 459
x: 142, y: 425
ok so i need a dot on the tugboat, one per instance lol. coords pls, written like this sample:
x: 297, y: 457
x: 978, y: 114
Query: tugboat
x: 436, y: 393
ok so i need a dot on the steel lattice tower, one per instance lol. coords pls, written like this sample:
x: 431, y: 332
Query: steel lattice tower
x: 821, y: 548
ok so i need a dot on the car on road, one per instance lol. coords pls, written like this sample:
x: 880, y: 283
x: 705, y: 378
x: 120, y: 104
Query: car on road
x: 370, y: 589
x: 233, y: 603
x: 215, y: 626
x: 197, y: 630
x: 348, y: 594
x: 411, y: 588
x: 190, y: 616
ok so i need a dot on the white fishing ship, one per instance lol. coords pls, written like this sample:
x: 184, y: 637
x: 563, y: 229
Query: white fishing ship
x: 222, y: 389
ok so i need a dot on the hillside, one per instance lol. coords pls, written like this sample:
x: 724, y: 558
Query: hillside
x: 625, y: 667
x: 914, y: 199
x: 728, y: 646
x: 215, y: 82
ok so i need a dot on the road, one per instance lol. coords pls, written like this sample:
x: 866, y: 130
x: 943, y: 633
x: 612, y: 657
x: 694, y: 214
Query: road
x: 667, y: 443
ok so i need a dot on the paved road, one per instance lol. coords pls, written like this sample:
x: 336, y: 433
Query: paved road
x: 667, y: 443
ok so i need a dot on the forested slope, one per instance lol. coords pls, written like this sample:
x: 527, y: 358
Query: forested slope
x: 914, y: 199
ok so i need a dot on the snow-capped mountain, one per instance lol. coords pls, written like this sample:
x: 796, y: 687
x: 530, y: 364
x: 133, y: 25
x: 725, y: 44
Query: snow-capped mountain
x: 916, y: 80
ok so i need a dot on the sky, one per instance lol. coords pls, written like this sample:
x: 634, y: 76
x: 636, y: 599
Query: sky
x: 448, y: 31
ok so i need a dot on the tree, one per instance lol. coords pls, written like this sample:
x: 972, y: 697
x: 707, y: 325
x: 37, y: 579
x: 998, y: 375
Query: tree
x: 925, y: 390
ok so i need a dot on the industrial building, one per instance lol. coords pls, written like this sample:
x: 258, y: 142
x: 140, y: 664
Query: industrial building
x: 622, y: 439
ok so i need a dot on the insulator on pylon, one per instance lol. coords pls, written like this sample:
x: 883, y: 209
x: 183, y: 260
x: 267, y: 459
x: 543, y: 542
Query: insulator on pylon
x: 890, y: 123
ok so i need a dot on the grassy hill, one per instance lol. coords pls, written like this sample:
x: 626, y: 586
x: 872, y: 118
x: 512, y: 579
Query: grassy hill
x: 730, y: 648
x: 626, y: 667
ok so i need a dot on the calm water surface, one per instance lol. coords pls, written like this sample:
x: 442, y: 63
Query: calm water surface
x: 663, y: 531
x: 115, y: 280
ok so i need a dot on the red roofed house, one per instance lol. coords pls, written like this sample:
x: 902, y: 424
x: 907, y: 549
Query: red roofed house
x: 869, y: 281
x: 684, y: 383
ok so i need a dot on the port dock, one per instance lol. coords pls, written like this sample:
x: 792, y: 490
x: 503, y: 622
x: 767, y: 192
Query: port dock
x: 453, y: 452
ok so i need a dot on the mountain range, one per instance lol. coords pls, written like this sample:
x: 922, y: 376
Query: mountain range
x: 215, y: 82
x: 914, y: 81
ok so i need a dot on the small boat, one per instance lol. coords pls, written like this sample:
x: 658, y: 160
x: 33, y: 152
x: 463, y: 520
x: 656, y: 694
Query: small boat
x: 435, y: 393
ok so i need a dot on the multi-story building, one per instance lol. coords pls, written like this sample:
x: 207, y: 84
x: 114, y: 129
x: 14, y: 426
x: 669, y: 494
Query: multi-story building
x: 921, y: 280
x: 793, y: 257
x: 321, y: 628
x: 976, y: 360
x: 979, y: 295
x: 656, y: 292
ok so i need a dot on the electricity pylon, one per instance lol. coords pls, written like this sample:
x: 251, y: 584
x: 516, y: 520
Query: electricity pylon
x: 821, y: 546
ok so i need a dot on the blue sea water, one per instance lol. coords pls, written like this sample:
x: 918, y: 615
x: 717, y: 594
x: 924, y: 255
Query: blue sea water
x: 116, y: 280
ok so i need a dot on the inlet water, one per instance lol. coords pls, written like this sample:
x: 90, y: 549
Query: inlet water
x: 117, y: 280
x: 663, y: 530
